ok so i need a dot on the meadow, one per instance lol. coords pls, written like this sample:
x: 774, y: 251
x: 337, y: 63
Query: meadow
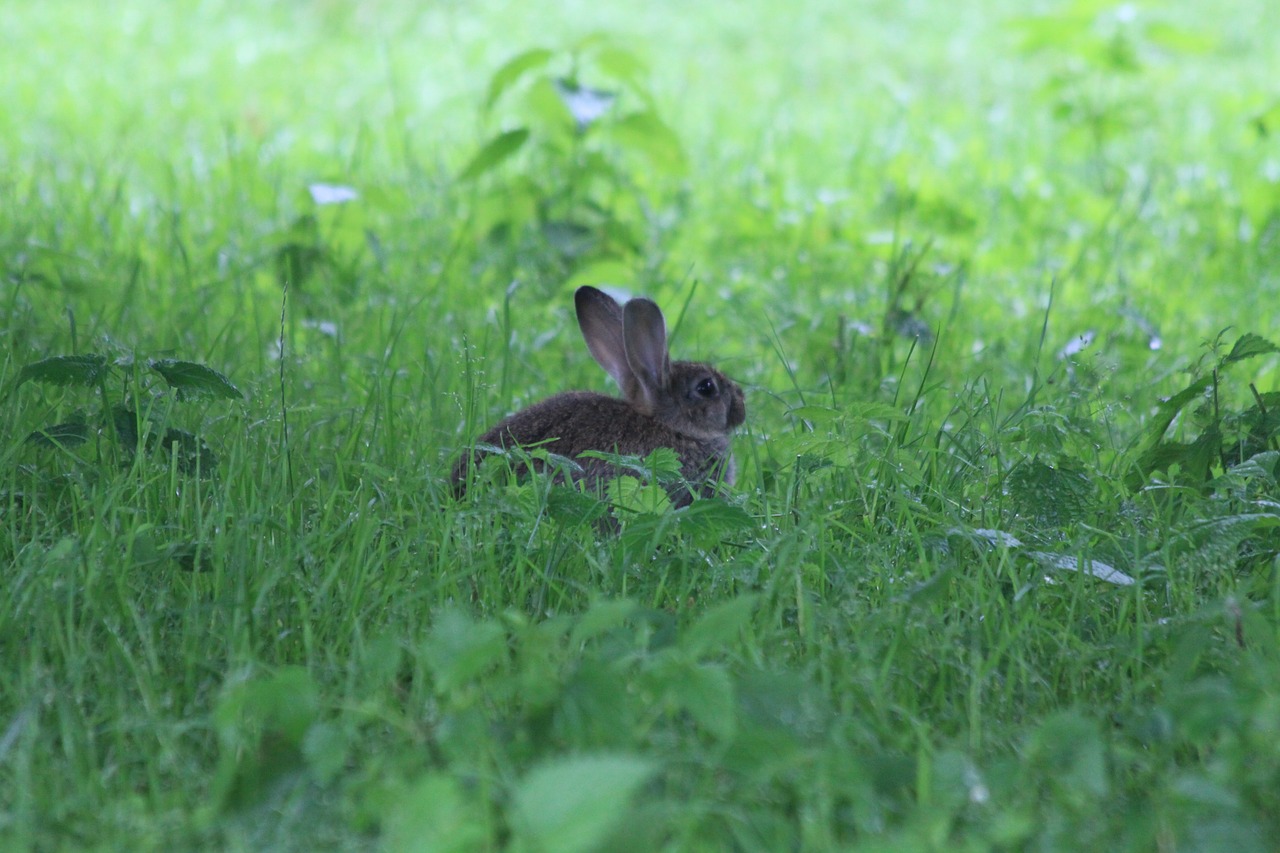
x: 1001, y: 567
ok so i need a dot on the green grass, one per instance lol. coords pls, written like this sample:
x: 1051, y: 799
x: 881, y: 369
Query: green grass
x: 867, y: 646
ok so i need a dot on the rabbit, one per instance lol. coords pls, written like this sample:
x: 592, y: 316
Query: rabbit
x: 687, y: 406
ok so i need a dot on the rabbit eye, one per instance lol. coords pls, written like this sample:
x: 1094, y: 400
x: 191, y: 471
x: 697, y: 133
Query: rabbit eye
x: 707, y: 388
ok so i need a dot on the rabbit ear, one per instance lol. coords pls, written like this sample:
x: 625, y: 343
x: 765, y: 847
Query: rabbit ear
x: 645, y: 334
x: 600, y: 319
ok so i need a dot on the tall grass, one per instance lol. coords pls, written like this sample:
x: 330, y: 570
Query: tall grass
x: 967, y: 594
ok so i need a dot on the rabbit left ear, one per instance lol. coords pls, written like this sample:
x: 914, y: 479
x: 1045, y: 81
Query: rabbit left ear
x: 644, y: 332
x: 600, y: 319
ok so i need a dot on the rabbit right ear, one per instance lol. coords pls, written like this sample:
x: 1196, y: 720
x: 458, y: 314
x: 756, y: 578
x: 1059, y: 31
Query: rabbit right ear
x: 645, y: 333
x: 600, y: 319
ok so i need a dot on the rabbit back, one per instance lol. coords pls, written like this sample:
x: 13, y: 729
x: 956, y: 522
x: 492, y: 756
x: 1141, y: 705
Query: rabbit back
x: 572, y: 422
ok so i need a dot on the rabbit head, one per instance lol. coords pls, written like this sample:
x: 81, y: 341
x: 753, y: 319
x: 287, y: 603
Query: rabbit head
x: 630, y: 343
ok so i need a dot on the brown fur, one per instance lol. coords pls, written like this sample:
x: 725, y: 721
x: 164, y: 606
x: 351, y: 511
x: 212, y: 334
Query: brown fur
x: 670, y: 404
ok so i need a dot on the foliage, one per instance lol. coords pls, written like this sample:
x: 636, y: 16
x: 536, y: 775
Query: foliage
x: 598, y: 164
x: 1226, y: 439
x: 138, y: 420
x: 999, y: 571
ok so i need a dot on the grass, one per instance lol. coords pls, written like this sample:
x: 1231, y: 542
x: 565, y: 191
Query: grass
x: 895, y: 225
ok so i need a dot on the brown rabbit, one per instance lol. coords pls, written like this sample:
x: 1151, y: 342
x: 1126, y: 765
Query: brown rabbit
x: 689, y: 407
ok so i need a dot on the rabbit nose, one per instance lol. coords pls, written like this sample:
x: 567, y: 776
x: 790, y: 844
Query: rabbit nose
x: 737, y: 409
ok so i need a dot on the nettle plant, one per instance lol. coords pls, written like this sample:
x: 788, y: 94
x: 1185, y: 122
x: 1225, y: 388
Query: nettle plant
x: 581, y: 162
x: 1211, y: 459
x: 1231, y: 429
x: 132, y: 419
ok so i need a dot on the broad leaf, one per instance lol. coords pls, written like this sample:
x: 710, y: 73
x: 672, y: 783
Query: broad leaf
x: 436, y: 814
x: 125, y: 422
x: 570, y: 804
x: 66, y: 434
x: 1195, y: 459
x: 1068, y: 748
x: 710, y: 521
x: 511, y: 72
x: 705, y: 692
x: 461, y: 649
x: 261, y: 724
x: 1247, y: 347
x: 720, y: 626
x: 569, y: 505
x: 622, y: 65
x: 86, y: 370
x: 193, y: 453
x: 1168, y: 409
x: 600, y: 618
x: 647, y: 135
x: 494, y: 153
x: 190, y: 379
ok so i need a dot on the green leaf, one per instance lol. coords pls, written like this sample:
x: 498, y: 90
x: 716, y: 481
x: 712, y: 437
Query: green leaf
x: 705, y: 692
x: 286, y: 701
x: 193, y: 453
x: 547, y: 112
x: 85, y: 370
x: 569, y: 505
x: 511, y: 72
x: 1195, y: 459
x: 570, y: 804
x: 1231, y: 528
x: 261, y: 724
x: 460, y: 649
x: 638, y: 496
x: 1168, y: 410
x: 600, y: 618
x: 1249, y: 346
x: 505, y: 209
x: 495, y: 152
x: 326, y: 747
x: 380, y: 662
x: 720, y: 626
x: 1048, y: 32
x: 190, y: 379
x: 650, y: 137
x: 622, y: 65
x: 663, y: 462
x: 437, y: 815
x: 712, y: 520
x: 66, y: 434
x: 1068, y: 749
